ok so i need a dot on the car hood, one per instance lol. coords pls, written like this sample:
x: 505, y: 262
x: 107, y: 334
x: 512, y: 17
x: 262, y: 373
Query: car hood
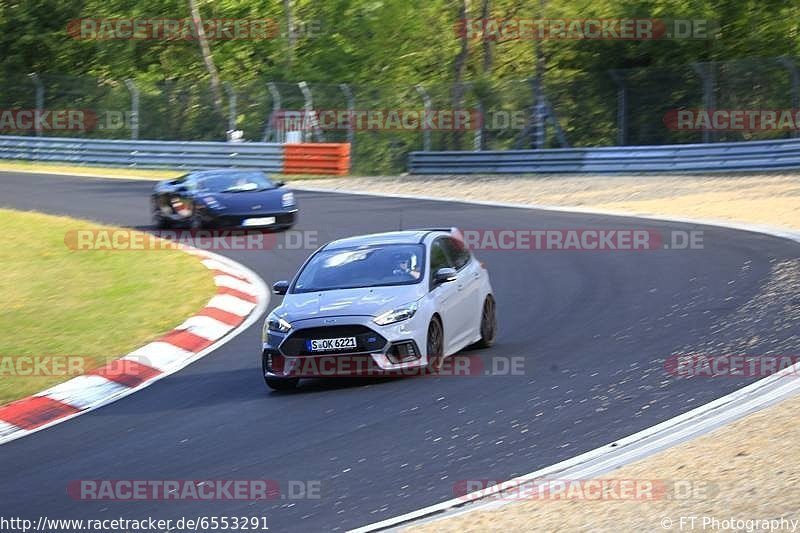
x: 253, y: 201
x: 370, y: 301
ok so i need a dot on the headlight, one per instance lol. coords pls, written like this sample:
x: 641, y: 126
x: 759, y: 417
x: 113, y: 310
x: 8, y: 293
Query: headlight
x: 276, y: 323
x: 287, y: 200
x: 396, y: 315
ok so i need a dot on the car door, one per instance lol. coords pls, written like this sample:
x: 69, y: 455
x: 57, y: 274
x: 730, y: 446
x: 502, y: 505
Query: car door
x: 468, y: 285
x: 446, y: 296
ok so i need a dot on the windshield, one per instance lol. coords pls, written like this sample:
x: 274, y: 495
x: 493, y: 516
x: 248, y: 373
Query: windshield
x: 370, y: 266
x: 235, y: 182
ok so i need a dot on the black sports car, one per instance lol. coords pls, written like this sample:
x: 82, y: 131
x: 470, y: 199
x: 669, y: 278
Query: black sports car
x: 228, y: 198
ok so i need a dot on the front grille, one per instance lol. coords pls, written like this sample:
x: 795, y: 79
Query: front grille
x: 366, y: 340
x: 335, y: 366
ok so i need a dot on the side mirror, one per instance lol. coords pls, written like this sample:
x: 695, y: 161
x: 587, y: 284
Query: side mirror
x: 280, y: 288
x: 444, y: 275
x: 279, y: 183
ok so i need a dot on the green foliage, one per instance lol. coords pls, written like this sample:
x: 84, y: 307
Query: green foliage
x: 382, y: 48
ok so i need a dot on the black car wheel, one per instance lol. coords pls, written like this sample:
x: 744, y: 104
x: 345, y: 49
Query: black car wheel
x: 196, y: 221
x: 435, y: 345
x: 160, y: 222
x: 488, y: 323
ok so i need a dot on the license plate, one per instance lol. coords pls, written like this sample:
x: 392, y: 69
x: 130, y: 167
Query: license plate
x: 261, y: 221
x: 326, y: 345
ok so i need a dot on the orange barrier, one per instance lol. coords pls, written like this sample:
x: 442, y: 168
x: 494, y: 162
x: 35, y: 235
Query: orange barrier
x: 316, y: 158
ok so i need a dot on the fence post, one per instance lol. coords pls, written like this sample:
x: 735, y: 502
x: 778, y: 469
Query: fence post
x: 426, y: 103
x: 622, y: 104
x: 551, y: 115
x: 37, y: 82
x: 231, y: 106
x: 540, y: 111
x: 351, y: 109
x: 134, y: 108
x: 275, y: 94
x: 706, y: 74
x: 310, y: 113
x: 478, y: 142
x: 794, y: 76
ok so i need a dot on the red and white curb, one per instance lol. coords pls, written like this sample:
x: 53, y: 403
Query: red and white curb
x: 240, y: 300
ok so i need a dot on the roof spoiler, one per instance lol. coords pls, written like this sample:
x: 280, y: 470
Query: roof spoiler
x: 452, y: 230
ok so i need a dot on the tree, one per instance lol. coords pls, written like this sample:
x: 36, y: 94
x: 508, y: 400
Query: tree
x: 208, y: 59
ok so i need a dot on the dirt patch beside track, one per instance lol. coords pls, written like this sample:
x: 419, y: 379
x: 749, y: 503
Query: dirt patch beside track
x: 763, y: 199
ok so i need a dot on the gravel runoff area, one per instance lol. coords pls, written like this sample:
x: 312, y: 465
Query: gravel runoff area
x: 740, y: 475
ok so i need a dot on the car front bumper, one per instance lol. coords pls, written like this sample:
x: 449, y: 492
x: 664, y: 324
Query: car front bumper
x: 396, y: 349
x: 283, y: 220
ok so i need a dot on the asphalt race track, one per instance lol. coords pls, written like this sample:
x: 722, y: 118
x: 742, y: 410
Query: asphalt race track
x: 594, y: 329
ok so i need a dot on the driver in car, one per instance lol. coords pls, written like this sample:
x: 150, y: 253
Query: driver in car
x: 407, y: 267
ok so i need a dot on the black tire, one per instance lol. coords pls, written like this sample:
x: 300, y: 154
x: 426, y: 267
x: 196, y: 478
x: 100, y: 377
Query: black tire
x: 488, y: 323
x: 282, y: 384
x: 160, y: 222
x: 435, y: 345
x: 196, y: 221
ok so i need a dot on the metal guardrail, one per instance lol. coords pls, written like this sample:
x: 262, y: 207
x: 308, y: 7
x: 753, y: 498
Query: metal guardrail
x: 144, y: 154
x: 716, y: 157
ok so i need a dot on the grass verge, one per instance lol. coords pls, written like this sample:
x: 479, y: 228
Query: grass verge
x: 96, y: 305
x: 116, y: 172
x: 84, y: 170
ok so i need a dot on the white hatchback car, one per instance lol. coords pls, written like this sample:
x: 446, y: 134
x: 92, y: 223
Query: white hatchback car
x: 381, y: 304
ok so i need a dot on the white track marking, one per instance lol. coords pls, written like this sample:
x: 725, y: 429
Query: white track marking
x: 231, y: 304
x: 234, y: 283
x: 206, y: 327
x: 7, y: 429
x: 159, y: 355
x: 213, y: 264
x: 84, y: 391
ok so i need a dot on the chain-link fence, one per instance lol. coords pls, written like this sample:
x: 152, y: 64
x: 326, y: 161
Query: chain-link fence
x: 384, y: 122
